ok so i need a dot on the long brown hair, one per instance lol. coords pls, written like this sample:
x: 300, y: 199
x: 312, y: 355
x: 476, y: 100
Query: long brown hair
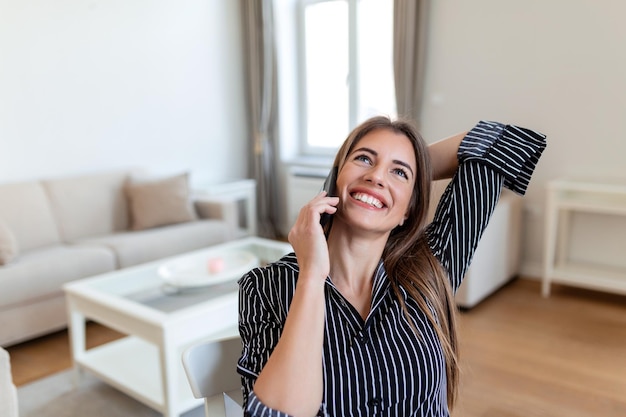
x: 407, y: 257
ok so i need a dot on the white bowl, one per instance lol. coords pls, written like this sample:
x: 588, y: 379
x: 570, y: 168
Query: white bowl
x: 212, y: 269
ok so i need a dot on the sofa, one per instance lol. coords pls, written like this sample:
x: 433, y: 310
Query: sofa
x: 56, y: 230
x: 8, y: 393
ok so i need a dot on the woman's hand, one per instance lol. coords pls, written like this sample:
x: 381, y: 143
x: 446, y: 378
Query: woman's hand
x: 307, y: 237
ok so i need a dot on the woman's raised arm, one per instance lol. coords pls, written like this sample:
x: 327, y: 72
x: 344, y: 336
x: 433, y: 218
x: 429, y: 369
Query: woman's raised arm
x: 443, y: 156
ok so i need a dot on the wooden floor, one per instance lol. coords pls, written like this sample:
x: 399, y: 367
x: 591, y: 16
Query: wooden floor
x: 521, y: 355
x: 51, y: 353
x: 527, y: 356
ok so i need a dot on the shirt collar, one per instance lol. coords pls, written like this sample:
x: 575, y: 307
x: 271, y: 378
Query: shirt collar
x: 380, y: 286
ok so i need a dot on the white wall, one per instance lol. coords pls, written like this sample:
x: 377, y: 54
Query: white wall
x: 96, y: 85
x: 555, y: 66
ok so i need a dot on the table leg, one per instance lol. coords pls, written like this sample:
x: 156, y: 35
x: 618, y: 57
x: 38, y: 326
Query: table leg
x: 549, y: 243
x: 170, y: 364
x: 77, y: 339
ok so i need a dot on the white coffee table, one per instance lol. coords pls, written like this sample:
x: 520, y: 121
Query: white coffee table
x: 160, y: 324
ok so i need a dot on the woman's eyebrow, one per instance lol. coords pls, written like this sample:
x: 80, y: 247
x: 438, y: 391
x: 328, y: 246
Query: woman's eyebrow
x: 395, y: 161
x: 368, y: 150
x: 404, y: 164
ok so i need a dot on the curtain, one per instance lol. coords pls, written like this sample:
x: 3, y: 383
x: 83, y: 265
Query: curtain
x: 410, y: 30
x: 260, y: 74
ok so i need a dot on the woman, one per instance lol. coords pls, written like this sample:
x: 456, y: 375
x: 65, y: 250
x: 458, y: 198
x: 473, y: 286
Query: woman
x: 361, y: 319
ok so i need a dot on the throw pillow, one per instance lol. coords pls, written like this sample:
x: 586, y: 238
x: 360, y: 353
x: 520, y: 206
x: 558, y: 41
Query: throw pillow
x: 8, y: 245
x: 159, y: 202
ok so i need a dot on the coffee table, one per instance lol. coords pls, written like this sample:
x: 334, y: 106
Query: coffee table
x: 160, y: 323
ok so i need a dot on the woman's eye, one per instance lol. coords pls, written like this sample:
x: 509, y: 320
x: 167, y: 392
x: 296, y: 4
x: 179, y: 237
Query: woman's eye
x: 401, y: 172
x: 363, y: 158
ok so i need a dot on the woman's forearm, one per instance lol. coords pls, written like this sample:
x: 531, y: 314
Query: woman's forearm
x: 291, y: 380
x: 443, y: 156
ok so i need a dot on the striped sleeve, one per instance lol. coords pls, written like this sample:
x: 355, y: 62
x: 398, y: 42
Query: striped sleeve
x: 259, y: 329
x: 510, y: 150
x: 255, y: 408
x: 491, y: 155
x: 264, y: 296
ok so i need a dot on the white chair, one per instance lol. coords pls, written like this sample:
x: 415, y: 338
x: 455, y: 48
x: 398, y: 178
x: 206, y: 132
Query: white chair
x: 8, y: 393
x: 211, y: 370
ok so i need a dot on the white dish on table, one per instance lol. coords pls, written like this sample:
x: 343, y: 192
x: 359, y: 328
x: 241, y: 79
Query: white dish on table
x: 210, y: 270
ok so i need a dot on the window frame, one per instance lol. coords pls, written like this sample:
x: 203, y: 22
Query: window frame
x: 353, y: 76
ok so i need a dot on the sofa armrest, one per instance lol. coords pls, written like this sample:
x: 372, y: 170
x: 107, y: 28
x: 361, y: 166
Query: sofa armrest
x: 224, y: 209
x: 8, y: 393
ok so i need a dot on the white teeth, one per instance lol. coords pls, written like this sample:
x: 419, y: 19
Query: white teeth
x: 368, y: 199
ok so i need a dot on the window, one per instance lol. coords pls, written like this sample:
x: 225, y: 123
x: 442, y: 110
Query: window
x: 346, y: 68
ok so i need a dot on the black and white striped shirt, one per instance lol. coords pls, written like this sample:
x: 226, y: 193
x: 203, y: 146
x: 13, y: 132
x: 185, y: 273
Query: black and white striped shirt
x: 379, y: 366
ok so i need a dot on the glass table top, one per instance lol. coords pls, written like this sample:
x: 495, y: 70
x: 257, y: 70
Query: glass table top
x: 143, y: 285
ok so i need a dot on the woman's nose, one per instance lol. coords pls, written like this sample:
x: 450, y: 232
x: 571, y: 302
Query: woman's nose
x: 376, y: 176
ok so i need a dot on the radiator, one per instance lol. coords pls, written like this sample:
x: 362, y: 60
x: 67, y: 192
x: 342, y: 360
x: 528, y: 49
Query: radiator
x: 303, y: 183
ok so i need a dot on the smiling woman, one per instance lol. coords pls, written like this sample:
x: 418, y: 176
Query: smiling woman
x: 360, y: 320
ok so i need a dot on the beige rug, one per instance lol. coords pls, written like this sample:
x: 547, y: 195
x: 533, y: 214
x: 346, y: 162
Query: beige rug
x: 55, y: 396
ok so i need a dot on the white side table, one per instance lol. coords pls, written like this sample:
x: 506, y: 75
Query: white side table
x: 565, y: 196
x: 244, y: 191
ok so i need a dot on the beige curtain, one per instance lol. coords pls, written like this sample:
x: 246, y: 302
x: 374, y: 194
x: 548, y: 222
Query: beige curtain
x: 410, y: 30
x: 260, y: 73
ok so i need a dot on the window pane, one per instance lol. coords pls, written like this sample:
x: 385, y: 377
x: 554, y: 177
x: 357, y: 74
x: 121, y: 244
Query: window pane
x: 375, y: 52
x: 327, y: 68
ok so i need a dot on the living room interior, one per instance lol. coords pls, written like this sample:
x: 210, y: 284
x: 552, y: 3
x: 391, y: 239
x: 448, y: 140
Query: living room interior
x: 95, y: 87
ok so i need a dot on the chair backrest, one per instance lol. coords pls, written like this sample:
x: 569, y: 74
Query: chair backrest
x: 211, y: 368
x: 231, y: 407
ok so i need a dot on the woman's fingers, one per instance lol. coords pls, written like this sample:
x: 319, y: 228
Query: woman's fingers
x: 307, y: 236
x: 313, y: 210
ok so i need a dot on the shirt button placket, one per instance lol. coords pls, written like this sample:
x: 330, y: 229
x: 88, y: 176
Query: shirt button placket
x: 375, y: 403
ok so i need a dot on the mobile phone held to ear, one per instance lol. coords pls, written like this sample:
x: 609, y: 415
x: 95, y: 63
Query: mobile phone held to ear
x: 329, y: 186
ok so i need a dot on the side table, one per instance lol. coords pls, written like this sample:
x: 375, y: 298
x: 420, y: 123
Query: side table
x: 240, y: 191
x: 565, y: 196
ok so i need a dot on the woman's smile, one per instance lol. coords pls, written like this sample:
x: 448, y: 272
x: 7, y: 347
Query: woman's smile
x: 368, y: 199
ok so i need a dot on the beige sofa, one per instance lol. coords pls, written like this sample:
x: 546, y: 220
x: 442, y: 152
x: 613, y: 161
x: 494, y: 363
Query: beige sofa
x: 58, y: 230
x: 8, y: 393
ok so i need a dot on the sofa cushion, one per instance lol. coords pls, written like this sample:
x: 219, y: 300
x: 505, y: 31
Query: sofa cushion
x: 159, y: 202
x: 40, y: 273
x: 89, y: 205
x: 26, y: 211
x: 32, y: 319
x: 8, y: 245
x: 137, y: 247
x: 8, y: 392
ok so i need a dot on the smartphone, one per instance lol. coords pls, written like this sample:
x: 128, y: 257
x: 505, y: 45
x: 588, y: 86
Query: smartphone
x: 329, y: 186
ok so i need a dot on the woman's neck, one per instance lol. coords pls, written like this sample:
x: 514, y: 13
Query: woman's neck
x: 353, y: 261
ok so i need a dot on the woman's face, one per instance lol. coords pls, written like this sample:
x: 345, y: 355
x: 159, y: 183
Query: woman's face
x: 376, y: 182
